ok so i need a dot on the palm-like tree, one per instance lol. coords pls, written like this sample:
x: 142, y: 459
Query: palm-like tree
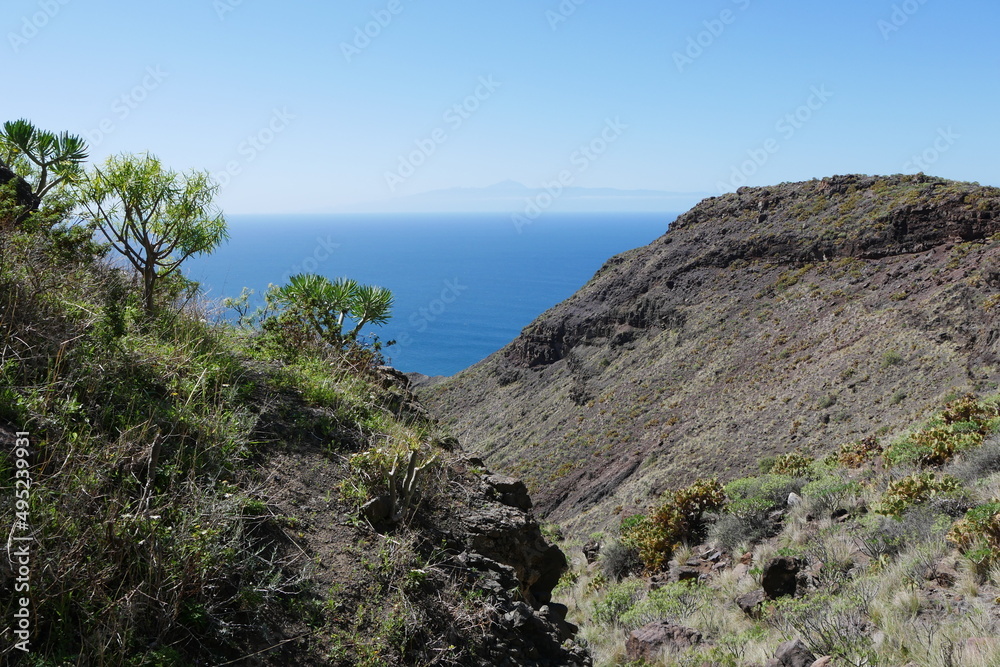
x: 371, y: 305
x: 48, y: 158
x: 325, y: 304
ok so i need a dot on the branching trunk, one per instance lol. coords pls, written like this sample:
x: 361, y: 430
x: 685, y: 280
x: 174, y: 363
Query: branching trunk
x: 401, y: 491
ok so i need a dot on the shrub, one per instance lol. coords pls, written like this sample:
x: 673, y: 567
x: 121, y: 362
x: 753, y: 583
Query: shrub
x: 794, y: 464
x: 884, y: 538
x: 978, y: 532
x: 773, y: 488
x: 856, y: 454
x: 617, y: 601
x: 891, y: 358
x: 933, y: 446
x: 674, y: 601
x: 830, y: 492
x: 680, y: 517
x: 914, y: 490
x: 968, y: 409
x: 745, y: 527
x: 618, y: 560
x: 828, y: 626
x: 978, y: 463
x: 751, y: 502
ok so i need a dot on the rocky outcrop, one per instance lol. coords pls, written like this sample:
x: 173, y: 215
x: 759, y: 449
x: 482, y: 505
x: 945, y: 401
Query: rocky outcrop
x: 764, y: 321
x: 506, y: 558
x: 653, y: 640
x: 500, y: 526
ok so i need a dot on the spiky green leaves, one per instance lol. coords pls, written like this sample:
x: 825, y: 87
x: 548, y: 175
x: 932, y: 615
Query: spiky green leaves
x: 45, y: 159
x: 324, y: 305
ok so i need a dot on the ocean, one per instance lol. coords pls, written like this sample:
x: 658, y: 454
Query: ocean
x: 464, y: 284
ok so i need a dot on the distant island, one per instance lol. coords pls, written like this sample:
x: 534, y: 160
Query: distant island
x: 511, y: 196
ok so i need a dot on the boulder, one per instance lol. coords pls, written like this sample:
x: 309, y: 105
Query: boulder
x: 825, y: 661
x: 779, y: 577
x: 751, y: 603
x: 591, y: 550
x: 794, y: 654
x: 511, y: 492
x: 649, y: 641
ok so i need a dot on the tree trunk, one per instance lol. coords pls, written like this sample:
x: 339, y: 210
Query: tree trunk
x: 148, y: 280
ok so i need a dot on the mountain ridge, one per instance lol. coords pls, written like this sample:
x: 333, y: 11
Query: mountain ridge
x: 798, y: 316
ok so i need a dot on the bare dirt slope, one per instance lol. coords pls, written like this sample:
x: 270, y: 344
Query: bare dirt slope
x: 794, y: 317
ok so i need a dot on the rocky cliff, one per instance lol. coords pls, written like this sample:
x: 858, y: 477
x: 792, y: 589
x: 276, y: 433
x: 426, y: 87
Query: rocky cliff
x: 794, y: 317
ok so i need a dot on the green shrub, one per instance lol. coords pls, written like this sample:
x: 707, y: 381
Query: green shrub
x: 961, y: 426
x: 674, y: 602
x: 891, y: 358
x: 830, y: 492
x: 856, y: 454
x: 978, y: 533
x: 969, y: 409
x: 618, y: 600
x: 680, y: 517
x: 914, y: 490
x: 933, y: 446
x: 793, y: 464
x: 828, y: 625
x: 772, y: 488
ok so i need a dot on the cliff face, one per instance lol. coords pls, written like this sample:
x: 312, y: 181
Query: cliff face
x: 799, y: 316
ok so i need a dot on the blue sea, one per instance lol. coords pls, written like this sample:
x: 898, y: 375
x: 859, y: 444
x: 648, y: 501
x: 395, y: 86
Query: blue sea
x: 464, y: 284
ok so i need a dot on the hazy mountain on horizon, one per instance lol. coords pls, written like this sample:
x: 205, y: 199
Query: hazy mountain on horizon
x: 513, y: 197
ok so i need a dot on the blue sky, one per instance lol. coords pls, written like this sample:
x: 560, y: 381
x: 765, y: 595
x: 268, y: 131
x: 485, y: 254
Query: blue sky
x: 296, y: 109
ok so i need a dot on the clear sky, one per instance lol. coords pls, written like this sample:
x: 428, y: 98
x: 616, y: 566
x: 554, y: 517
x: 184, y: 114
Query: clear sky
x: 296, y: 109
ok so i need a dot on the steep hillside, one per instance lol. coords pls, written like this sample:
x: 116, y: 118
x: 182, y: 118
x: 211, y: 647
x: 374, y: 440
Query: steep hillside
x: 177, y: 492
x: 794, y: 317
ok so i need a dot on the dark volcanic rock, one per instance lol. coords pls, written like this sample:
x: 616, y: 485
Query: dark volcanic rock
x: 511, y: 536
x: 649, y: 641
x: 794, y: 654
x: 780, y: 577
x: 751, y: 603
